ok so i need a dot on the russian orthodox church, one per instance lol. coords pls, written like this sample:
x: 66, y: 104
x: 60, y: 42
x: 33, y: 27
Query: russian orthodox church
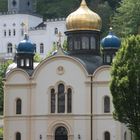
x: 66, y: 96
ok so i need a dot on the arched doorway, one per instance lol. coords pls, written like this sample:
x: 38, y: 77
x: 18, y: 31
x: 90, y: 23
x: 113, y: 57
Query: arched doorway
x: 61, y: 133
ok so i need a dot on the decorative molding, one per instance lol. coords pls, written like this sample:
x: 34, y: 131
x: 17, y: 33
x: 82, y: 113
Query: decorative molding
x: 20, y: 84
x: 60, y: 70
x: 59, y: 115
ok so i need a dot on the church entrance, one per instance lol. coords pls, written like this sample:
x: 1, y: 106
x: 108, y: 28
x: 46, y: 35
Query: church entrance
x: 61, y: 133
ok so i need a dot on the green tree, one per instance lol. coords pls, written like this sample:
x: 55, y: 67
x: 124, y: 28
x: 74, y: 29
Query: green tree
x: 113, y: 3
x: 127, y: 18
x: 37, y: 57
x: 3, y: 5
x: 105, y: 16
x: 125, y: 84
x: 56, y: 8
x: 1, y: 132
x: 54, y: 48
x: 3, y: 68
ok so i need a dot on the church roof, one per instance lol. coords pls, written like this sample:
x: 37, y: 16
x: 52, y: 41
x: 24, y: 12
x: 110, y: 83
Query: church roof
x: 25, y: 46
x: 14, y: 65
x: 41, y: 25
x: 83, y: 19
x: 111, y: 41
x: 90, y: 62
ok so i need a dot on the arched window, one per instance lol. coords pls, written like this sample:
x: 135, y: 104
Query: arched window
x: 106, y: 135
x: 4, y: 32
x: 9, y: 32
x: 28, y: 3
x: 77, y: 44
x: 18, y: 136
x: 69, y: 100
x: 85, y: 43
x: 18, y: 106
x: 14, y: 32
x: 108, y: 59
x: 56, y: 31
x: 22, y: 62
x: 92, y: 43
x: 9, y: 48
x: 52, y: 101
x: 14, y: 3
x: 70, y: 44
x: 35, y: 47
x: 61, y: 102
x: 61, y: 99
x: 41, y: 48
x: 106, y: 104
x: 27, y: 62
x: 61, y: 133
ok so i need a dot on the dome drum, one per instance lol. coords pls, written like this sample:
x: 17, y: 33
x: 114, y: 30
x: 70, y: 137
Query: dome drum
x: 25, y: 61
x: 83, y: 42
x: 108, y: 55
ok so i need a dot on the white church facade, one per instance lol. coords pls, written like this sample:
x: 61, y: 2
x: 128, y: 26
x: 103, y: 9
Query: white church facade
x: 66, y: 96
x: 21, y: 18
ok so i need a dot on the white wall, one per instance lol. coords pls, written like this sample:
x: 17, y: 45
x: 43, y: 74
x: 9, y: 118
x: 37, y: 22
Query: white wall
x: 37, y: 36
x: 36, y: 118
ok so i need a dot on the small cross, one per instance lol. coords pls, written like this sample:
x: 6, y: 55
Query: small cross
x: 59, y: 39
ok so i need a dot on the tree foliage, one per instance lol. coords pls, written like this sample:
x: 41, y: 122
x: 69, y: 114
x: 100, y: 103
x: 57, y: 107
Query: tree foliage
x: 3, y: 68
x: 56, y: 8
x: 127, y: 18
x: 1, y: 132
x: 3, y: 5
x: 105, y: 16
x: 125, y: 84
x: 37, y: 57
x: 113, y: 3
x: 55, y: 47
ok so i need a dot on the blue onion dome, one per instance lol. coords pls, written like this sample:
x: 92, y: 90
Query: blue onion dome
x: 25, y: 46
x: 111, y: 41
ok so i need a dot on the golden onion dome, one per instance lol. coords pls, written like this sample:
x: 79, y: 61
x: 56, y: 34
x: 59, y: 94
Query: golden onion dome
x: 83, y: 19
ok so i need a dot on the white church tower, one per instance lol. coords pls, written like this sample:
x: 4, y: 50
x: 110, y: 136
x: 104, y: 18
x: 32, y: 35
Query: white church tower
x: 22, y: 6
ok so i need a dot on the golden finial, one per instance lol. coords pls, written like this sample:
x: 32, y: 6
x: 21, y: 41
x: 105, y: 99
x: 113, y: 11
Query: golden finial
x: 83, y: 3
x: 110, y: 29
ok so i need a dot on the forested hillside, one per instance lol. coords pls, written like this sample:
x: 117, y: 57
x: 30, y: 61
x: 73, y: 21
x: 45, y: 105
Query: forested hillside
x: 62, y: 8
x: 3, y: 5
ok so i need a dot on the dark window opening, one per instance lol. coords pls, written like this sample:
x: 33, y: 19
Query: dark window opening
x: 69, y: 101
x: 106, y: 104
x: 61, y: 99
x: 18, y: 106
x: 52, y: 101
x: 18, y: 136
